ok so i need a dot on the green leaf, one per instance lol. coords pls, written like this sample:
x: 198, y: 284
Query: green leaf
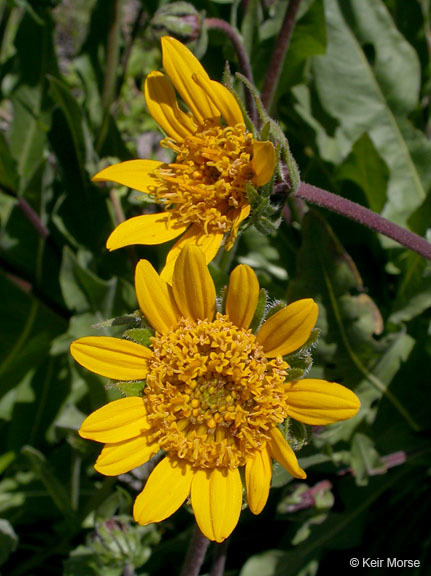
x: 376, y: 96
x: 48, y: 477
x: 365, y: 460
x: 8, y: 540
x: 365, y: 168
x: 263, y: 564
x: 348, y: 318
x: 8, y: 173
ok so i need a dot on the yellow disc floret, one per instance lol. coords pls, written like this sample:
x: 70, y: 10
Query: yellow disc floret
x: 207, y: 182
x: 211, y: 395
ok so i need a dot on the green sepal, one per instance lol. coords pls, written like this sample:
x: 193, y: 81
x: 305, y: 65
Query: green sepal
x: 298, y: 434
x: 128, y: 319
x: 139, y: 335
x: 130, y: 388
x: 259, y: 312
x: 293, y: 374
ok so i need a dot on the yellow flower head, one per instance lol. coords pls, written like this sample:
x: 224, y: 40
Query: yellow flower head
x: 214, y: 395
x: 204, y: 191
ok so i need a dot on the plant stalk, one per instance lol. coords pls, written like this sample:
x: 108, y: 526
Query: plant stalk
x: 365, y: 217
x: 195, y: 554
x: 277, y: 59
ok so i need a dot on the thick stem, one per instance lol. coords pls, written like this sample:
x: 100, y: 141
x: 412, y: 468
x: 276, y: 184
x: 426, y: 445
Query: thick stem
x: 195, y: 554
x: 234, y: 37
x: 365, y: 217
x: 217, y: 568
x: 277, y: 59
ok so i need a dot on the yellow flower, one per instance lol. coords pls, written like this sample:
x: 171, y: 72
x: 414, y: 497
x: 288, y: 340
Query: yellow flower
x: 215, y: 394
x: 203, y: 192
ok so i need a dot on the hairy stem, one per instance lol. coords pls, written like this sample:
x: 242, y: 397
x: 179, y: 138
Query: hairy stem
x: 235, y: 38
x: 195, y: 554
x: 365, y: 217
x: 217, y: 568
x: 277, y: 59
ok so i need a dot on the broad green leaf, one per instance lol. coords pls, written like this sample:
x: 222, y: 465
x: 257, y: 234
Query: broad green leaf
x: 365, y: 168
x: 8, y: 173
x: 263, y: 564
x: 348, y: 317
x: 365, y: 460
x: 51, y: 482
x: 375, y: 97
x: 413, y: 295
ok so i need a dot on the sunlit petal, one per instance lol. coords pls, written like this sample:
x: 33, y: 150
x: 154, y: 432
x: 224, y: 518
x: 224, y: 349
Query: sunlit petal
x: 193, y: 286
x: 137, y: 174
x: 263, y: 162
x: 289, y: 328
x: 121, y: 457
x: 162, y: 104
x: 146, y: 229
x: 117, y: 421
x: 283, y: 453
x: 165, y: 491
x: 258, y: 474
x: 180, y: 65
x: 112, y: 357
x: 216, y: 497
x: 242, y: 296
x: 155, y: 298
x: 318, y: 402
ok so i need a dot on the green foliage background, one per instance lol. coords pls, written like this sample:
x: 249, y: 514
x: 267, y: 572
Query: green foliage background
x: 354, y: 102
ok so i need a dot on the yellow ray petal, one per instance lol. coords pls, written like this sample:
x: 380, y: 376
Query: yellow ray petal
x: 208, y: 243
x: 146, y: 229
x: 193, y: 286
x: 122, y: 457
x: 180, y: 65
x: 137, y: 174
x: 318, y: 402
x: 288, y: 329
x: 280, y: 450
x: 163, y: 107
x: 258, y: 474
x: 263, y: 162
x: 165, y: 491
x: 112, y: 357
x: 242, y: 296
x: 222, y: 99
x: 120, y: 420
x: 216, y: 498
x: 155, y: 298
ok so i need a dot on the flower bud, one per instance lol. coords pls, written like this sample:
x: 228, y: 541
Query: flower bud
x: 179, y: 19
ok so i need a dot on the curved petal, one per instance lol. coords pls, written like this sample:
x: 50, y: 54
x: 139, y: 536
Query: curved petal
x: 318, y: 402
x: 120, y: 420
x: 242, y: 296
x: 165, y: 491
x: 121, y: 457
x: 112, y: 357
x: 163, y: 107
x: 258, y: 474
x: 137, y: 174
x: 222, y: 99
x: 192, y: 285
x: 283, y: 453
x: 242, y: 214
x: 180, y: 65
x: 263, y: 162
x: 288, y: 329
x: 146, y: 229
x: 216, y: 497
x: 208, y: 243
x: 155, y: 298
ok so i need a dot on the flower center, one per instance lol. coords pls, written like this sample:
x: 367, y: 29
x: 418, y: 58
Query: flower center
x: 206, y: 184
x: 211, y: 395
